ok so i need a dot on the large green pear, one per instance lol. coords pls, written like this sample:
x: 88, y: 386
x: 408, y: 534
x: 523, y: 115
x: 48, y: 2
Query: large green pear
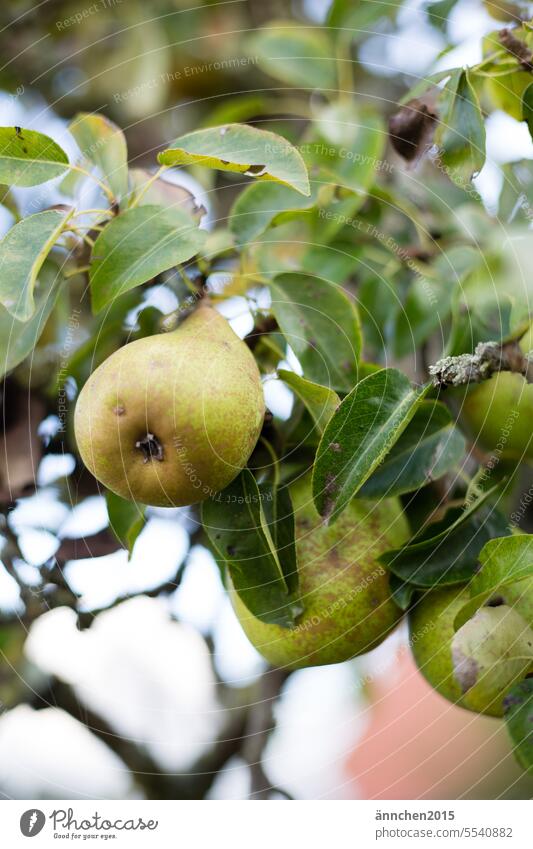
x: 347, y: 605
x: 475, y: 666
x: 171, y: 419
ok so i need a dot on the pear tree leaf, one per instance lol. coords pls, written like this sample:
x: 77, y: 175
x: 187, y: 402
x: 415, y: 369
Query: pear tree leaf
x: 8, y: 201
x: 297, y: 55
x: 460, y: 133
x: 243, y: 150
x: 238, y: 529
x: 438, y: 13
x: 401, y: 591
x: 23, y: 251
x: 446, y: 552
x: 527, y: 108
x: 319, y: 400
x: 262, y: 205
x: 518, y: 712
x: 28, y: 158
x: 321, y: 324
x: 504, y: 561
x: 138, y: 245
x: 18, y: 339
x: 428, y: 448
x: 367, y: 424
x: 126, y: 519
x: 103, y: 144
x: 279, y: 516
x: 358, y: 18
x: 350, y: 148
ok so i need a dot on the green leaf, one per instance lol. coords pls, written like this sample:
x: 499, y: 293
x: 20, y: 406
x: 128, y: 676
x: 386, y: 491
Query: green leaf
x: 295, y: 54
x: 428, y: 303
x: 527, y: 108
x: 243, y: 150
x: 238, y: 530
x: 18, y: 339
x: 321, y: 324
x: 126, y: 519
x: 319, y: 400
x: 439, y: 12
x: 503, y: 561
x: 23, y: 251
x: 103, y: 144
x: 28, y: 158
x: 360, y: 435
x: 460, y: 133
x: 518, y: 712
x: 350, y: 154
x: 446, y: 553
x: 401, y: 592
x: 138, y: 245
x: 359, y: 16
x: 8, y: 201
x: 428, y: 448
x: 261, y: 205
x: 276, y: 504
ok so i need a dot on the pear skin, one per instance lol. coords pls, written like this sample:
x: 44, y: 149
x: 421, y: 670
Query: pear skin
x: 430, y: 635
x: 347, y: 605
x: 440, y: 651
x: 498, y: 412
x: 171, y: 419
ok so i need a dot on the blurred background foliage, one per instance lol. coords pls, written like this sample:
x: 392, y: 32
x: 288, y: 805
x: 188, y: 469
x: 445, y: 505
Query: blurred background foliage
x: 133, y: 677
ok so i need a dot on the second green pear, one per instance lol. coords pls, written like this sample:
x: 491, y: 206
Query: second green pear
x: 169, y: 420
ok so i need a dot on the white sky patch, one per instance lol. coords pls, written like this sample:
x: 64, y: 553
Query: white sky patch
x: 317, y: 725
x: 149, y: 676
x: 200, y: 594
x: 86, y: 518
x: 278, y: 398
x: 54, y: 466
x: 41, y: 510
x: 236, y: 660
x: 9, y: 592
x: 158, y: 551
x: 37, y: 546
x: 81, y: 766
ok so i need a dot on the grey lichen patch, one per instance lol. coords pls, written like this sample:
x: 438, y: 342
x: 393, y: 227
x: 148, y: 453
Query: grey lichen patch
x: 488, y: 359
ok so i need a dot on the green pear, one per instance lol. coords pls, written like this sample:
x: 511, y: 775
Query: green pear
x: 498, y: 412
x: 475, y: 666
x: 347, y: 605
x: 492, y: 651
x: 171, y: 419
x: 430, y: 635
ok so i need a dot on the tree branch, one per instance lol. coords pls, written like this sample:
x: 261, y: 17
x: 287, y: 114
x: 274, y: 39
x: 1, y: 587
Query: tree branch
x: 488, y: 359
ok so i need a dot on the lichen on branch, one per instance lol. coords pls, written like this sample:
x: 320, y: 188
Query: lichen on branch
x: 487, y: 359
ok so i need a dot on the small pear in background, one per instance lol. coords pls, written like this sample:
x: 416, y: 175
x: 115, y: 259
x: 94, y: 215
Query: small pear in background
x: 170, y: 420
